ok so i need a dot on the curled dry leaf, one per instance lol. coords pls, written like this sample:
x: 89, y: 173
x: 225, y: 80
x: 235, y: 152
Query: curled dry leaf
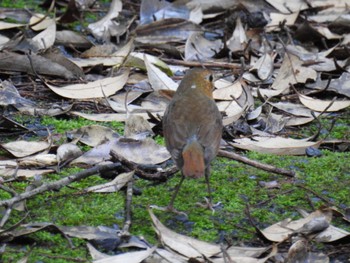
x: 238, y: 41
x: 264, y: 66
x: 278, y: 18
x: 199, y: 48
x: 282, y: 230
x: 25, y: 148
x: 292, y: 71
x: 96, y: 89
x: 23, y: 173
x: 193, y: 248
x: 46, y: 38
x: 68, y: 152
x: 94, y: 135
x: 225, y: 90
x: 323, y: 105
x: 130, y: 257
x: 114, y: 59
x: 96, y: 155
x: 275, y: 145
x: 104, y: 28
x: 9, y: 95
x: 145, y: 151
x: 39, y: 160
x: 157, y: 78
x: 114, y: 186
x: 137, y: 127
x: 44, y: 23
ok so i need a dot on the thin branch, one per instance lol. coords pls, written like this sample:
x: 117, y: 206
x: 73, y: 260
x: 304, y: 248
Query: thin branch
x: 256, y: 164
x: 59, y: 184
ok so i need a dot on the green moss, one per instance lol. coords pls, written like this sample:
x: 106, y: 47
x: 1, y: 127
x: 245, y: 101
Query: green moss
x: 63, y: 125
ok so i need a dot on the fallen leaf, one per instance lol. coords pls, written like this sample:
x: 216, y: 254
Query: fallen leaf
x: 113, y: 186
x: 145, y: 151
x: 96, y: 89
x: 274, y: 145
x: 25, y: 148
x: 323, y: 105
x: 157, y: 78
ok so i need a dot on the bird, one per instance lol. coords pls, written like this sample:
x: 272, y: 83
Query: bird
x: 192, y: 128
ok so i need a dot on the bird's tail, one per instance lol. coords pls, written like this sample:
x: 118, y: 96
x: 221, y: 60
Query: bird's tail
x: 193, y: 157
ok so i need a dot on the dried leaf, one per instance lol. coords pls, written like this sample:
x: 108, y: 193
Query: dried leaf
x: 94, y: 135
x: 114, y: 186
x: 275, y: 145
x: 199, y: 48
x: 25, y: 148
x: 145, y: 151
x: 96, y: 89
x: 238, y: 41
x: 68, y: 151
x: 46, y: 38
x: 225, y: 90
x: 321, y: 105
x: 106, y: 27
x: 158, y: 79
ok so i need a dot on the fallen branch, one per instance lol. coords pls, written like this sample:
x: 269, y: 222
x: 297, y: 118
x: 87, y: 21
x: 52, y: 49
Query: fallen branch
x: 152, y: 173
x: 60, y: 183
x: 256, y: 164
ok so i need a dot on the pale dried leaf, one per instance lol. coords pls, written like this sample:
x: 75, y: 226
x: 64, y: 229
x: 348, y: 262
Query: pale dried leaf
x: 157, y: 78
x: 114, y: 186
x: 24, y: 173
x: 275, y: 145
x: 145, y: 151
x: 96, y: 89
x: 183, y: 245
x: 264, y: 66
x: 285, y: 6
x: 25, y: 148
x: 291, y: 72
x: 238, y: 41
x: 94, y: 135
x: 321, y: 105
x: 114, y: 59
x: 39, y: 160
x: 46, y: 38
x: 278, y: 18
x: 45, y: 22
x: 68, y: 151
x: 6, y: 25
x: 130, y: 257
x: 103, y: 28
x: 225, y: 90
x: 197, y: 47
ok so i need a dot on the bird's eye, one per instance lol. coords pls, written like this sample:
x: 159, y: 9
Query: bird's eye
x: 210, y: 77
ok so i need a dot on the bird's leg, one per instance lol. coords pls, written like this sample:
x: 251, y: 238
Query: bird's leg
x: 171, y: 204
x: 208, y: 201
x: 170, y: 207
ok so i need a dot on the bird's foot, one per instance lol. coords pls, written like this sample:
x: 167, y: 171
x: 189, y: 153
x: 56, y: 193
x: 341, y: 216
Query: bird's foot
x: 169, y: 208
x: 209, y: 205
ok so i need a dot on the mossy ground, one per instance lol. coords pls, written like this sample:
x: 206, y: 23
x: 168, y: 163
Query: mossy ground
x: 235, y: 185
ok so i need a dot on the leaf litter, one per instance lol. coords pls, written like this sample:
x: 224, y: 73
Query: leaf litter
x: 265, y: 80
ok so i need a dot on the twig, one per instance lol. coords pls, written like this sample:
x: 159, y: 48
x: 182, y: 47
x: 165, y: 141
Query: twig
x: 256, y: 164
x: 152, y: 175
x: 129, y: 193
x: 59, y: 184
x: 328, y: 202
x: 205, y: 64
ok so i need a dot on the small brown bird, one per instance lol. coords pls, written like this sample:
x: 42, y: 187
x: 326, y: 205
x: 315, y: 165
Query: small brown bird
x: 192, y: 127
